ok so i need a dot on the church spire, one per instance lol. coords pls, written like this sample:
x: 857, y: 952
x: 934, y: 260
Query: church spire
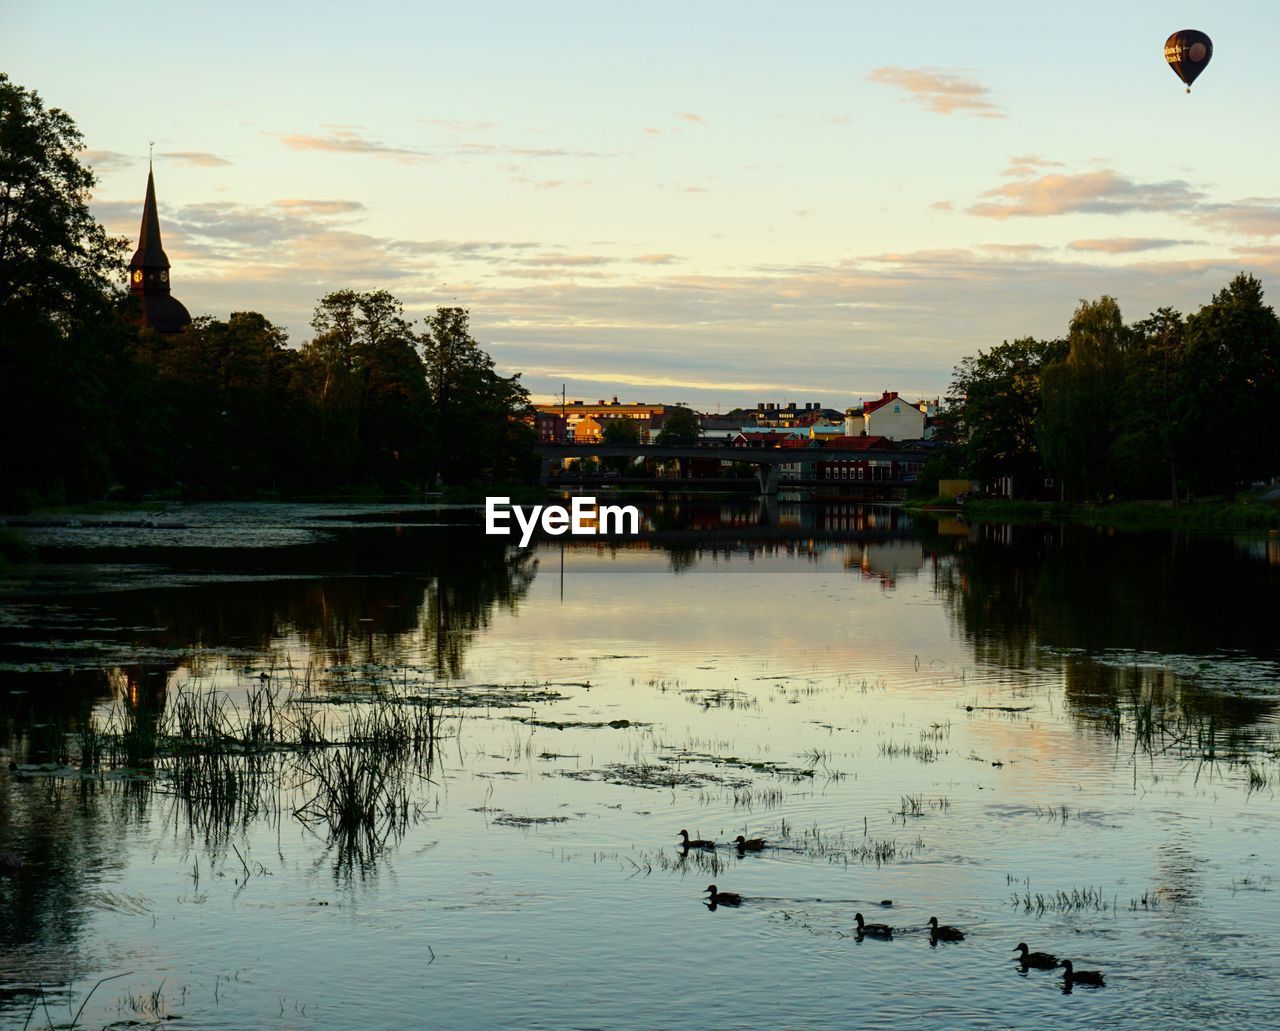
x: 150, y: 255
x: 149, y: 271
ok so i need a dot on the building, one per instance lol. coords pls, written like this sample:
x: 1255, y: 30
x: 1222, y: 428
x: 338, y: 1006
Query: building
x: 550, y: 427
x: 149, y: 274
x: 771, y: 414
x: 648, y: 416
x: 889, y: 416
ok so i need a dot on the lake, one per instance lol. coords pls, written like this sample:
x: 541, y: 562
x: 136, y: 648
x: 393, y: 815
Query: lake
x: 363, y: 766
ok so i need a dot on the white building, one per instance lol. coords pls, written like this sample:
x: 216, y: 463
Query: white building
x: 888, y: 416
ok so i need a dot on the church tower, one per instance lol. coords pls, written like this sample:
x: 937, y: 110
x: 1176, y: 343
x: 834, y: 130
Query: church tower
x: 149, y: 273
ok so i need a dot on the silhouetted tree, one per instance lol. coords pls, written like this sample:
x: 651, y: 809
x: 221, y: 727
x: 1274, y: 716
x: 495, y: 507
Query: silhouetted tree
x: 1081, y: 393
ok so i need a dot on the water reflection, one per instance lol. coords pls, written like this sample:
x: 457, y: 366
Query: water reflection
x: 1157, y: 646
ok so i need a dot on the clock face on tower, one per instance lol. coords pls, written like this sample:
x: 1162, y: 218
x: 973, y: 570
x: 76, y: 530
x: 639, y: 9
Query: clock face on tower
x: 164, y: 276
x: 137, y: 275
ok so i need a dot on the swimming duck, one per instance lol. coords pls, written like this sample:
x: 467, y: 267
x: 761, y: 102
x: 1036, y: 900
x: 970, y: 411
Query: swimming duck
x: 1090, y: 978
x: 872, y: 930
x: 723, y: 898
x: 749, y: 844
x: 944, y: 933
x: 1040, y: 960
x: 689, y: 842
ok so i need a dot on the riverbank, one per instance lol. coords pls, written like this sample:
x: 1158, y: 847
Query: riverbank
x: 1244, y: 513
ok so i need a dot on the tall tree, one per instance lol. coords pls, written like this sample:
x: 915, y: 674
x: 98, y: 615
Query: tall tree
x: 61, y: 343
x: 363, y: 372
x: 479, y: 414
x: 1230, y: 387
x: 1083, y: 398
x: 1152, y: 426
x: 680, y: 425
x: 994, y: 404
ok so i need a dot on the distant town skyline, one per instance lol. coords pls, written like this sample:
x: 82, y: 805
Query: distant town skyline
x: 713, y: 205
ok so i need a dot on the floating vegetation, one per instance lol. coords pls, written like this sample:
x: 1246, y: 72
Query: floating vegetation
x: 721, y: 698
x: 921, y: 752
x: 651, y: 775
x: 841, y: 848
x: 1074, y: 901
x: 578, y: 724
x: 525, y: 822
x: 794, y: 773
x: 747, y: 796
x: 914, y: 805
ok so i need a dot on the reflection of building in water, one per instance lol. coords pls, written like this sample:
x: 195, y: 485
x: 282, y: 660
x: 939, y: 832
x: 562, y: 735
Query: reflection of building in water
x: 1264, y: 549
x: 886, y: 561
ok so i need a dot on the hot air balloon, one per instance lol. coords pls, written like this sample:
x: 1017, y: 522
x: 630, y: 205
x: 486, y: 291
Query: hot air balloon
x: 1187, y: 52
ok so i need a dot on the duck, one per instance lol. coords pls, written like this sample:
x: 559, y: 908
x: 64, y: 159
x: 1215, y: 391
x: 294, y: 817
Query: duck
x: 944, y: 932
x: 749, y: 844
x: 689, y: 842
x: 872, y: 930
x: 1040, y: 960
x: 723, y: 898
x: 1089, y: 978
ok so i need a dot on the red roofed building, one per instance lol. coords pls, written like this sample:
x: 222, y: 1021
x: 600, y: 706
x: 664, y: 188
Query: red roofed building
x: 890, y: 415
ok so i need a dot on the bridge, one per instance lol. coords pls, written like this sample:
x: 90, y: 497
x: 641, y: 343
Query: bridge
x: 767, y: 460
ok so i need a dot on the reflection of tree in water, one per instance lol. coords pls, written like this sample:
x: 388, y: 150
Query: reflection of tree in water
x: 64, y: 833
x: 1011, y: 587
x: 1109, y: 599
x: 461, y: 597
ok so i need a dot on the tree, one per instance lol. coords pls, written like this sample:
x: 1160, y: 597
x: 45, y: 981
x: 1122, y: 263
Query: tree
x: 620, y: 431
x: 680, y: 425
x: 995, y: 403
x: 55, y: 259
x: 366, y: 378
x: 478, y: 414
x: 1152, y: 426
x: 1082, y: 400
x: 1229, y: 388
x: 62, y: 346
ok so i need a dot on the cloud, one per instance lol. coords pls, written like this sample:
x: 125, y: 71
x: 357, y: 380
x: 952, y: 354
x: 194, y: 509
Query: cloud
x: 689, y: 116
x: 195, y: 157
x: 1025, y: 164
x: 1020, y: 250
x: 108, y: 160
x: 655, y: 259
x: 1105, y: 192
x: 1252, y: 216
x: 320, y: 207
x: 349, y: 141
x: 1125, y: 244
x: 453, y: 125
x: 945, y: 91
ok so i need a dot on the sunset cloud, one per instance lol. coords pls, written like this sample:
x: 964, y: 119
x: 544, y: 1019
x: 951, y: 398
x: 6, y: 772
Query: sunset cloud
x: 349, y: 141
x: 1252, y: 216
x: 942, y: 90
x: 320, y: 207
x: 1125, y: 244
x: 194, y: 157
x: 108, y: 160
x: 1105, y: 192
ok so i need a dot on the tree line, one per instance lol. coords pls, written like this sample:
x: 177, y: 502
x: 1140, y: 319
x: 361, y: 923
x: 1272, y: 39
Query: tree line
x: 94, y: 405
x: 1164, y: 407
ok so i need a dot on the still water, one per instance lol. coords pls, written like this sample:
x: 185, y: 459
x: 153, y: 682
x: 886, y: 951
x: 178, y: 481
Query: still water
x: 1053, y: 735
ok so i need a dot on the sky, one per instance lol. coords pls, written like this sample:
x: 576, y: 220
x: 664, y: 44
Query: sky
x: 715, y: 203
